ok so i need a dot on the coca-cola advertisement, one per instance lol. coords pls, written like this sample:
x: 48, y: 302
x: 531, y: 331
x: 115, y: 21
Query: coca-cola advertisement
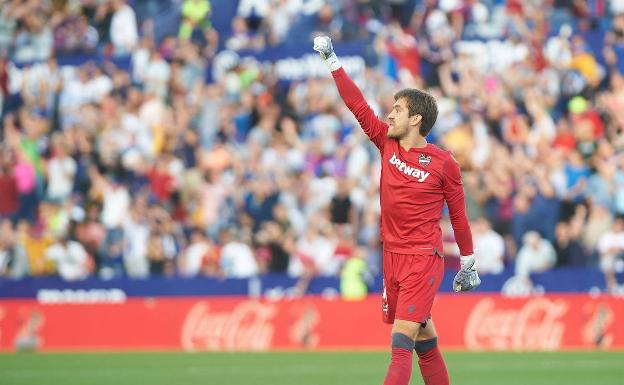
x: 467, y: 322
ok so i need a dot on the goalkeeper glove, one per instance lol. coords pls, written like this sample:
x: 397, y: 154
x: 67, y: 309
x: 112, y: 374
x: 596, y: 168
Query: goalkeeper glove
x: 323, y: 45
x: 467, y: 277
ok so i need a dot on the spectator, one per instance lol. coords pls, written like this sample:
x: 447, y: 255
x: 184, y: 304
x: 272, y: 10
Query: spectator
x: 156, y: 254
x: 115, y: 206
x: 124, y: 33
x: 584, y: 62
x: 328, y: 23
x: 536, y: 255
x: 342, y: 210
x: 136, y: 234
x: 599, y: 184
x: 567, y: 245
x: 599, y: 221
x: 71, y: 259
x: 198, y: 255
x: 162, y: 184
x: 157, y: 75
x: 213, y: 192
x: 61, y: 171
x: 611, y: 249
x: 195, y: 16
x: 618, y: 187
x: 91, y: 233
x: 13, y: 259
x: 354, y: 277
x: 253, y: 12
x: 259, y: 202
x: 73, y: 34
x: 237, y: 259
x: 402, y: 49
x: 9, y: 194
x: 613, y: 50
x: 33, y: 40
x: 490, y: 247
x: 577, y: 173
x: 275, y: 243
x: 314, y: 252
x: 241, y: 38
x: 369, y: 237
x: 281, y: 16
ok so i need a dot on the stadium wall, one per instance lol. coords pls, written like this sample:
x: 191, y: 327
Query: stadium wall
x: 236, y: 323
x: 53, y: 289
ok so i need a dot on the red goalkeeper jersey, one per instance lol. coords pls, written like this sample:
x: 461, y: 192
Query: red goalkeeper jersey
x: 414, y: 185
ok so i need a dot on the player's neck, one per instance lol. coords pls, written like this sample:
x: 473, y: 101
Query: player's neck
x: 408, y: 142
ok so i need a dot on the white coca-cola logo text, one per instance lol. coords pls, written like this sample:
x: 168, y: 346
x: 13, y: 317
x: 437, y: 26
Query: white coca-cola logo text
x: 248, y: 326
x: 537, y: 325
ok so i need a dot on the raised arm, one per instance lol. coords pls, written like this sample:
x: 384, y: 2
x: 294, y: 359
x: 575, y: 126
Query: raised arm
x: 373, y: 127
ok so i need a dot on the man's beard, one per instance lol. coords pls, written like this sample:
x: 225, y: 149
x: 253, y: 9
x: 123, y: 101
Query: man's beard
x: 393, y: 133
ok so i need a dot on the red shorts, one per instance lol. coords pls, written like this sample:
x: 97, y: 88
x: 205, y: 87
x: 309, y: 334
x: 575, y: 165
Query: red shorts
x: 410, y: 283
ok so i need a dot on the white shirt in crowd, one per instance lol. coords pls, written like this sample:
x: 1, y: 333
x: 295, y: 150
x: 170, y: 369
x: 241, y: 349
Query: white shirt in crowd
x: 123, y: 30
x: 156, y: 77
x: 490, y: 250
x: 558, y: 49
x: 115, y: 207
x: 611, y: 242
x: 61, y: 172
x: 71, y: 260
x: 610, y: 245
x: 237, y: 260
x: 74, y: 94
x: 140, y: 59
x: 536, y: 255
x: 357, y: 162
x: 136, y: 235
x: 320, y: 250
x: 616, y: 6
x: 193, y: 258
x: 321, y: 191
x: 139, y: 131
x: 34, y: 76
x: 99, y: 87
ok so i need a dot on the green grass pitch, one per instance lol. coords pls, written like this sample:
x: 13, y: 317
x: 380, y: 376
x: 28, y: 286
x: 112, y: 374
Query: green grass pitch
x: 348, y: 368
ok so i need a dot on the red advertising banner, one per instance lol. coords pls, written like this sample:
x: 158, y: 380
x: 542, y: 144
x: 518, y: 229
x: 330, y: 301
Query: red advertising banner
x: 465, y: 321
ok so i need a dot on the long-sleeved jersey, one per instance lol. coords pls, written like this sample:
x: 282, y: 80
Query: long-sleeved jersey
x: 414, y: 185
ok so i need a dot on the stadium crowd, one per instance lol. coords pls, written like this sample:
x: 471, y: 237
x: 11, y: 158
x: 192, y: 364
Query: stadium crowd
x: 153, y: 170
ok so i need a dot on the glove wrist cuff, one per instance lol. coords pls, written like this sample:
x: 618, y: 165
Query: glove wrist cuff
x: 467, y: 262
x: 332, y: 62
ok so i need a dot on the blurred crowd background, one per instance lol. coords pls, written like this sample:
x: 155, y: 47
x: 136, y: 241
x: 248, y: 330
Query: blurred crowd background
x: 161, y: 167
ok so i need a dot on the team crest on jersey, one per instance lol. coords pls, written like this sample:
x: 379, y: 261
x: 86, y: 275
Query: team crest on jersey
x: 424, y: 160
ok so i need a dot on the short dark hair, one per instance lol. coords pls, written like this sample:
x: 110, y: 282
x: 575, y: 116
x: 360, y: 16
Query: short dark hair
x: 420, y: 103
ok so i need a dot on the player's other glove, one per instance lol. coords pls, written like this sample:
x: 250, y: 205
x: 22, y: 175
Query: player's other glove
x: 323, y: 45
x: 466, y: 278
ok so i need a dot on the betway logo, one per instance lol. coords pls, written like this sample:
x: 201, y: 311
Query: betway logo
x: 407, y: 170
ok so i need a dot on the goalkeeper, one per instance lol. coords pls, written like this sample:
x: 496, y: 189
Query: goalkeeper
x: 416, y: 178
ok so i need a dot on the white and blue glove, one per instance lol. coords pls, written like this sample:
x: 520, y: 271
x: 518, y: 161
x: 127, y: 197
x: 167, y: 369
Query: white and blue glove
x: 467, y: 277
x: 323, y: 45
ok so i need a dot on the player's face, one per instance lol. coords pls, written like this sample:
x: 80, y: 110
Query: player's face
x: 398, y: 119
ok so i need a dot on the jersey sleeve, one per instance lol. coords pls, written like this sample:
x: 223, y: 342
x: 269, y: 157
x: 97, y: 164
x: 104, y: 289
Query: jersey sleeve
x: 455, y: 200
x: 373, y: 127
